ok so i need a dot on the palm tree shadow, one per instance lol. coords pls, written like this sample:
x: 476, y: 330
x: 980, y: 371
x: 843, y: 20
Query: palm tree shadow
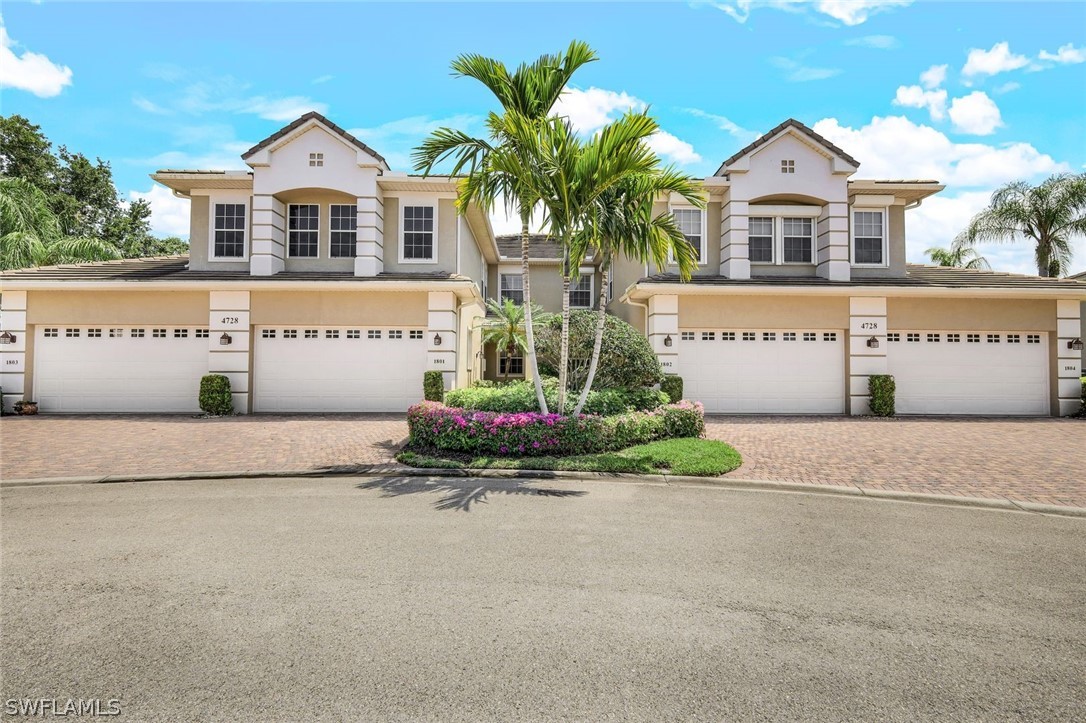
x: 461, y: 493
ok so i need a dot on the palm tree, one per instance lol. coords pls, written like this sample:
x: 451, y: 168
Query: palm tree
x: 506, y: 328
x: 1050, y: 214
x: 526, y: 95
x: 621, y: 223
x: 30, y: 233
x: 959, y: 255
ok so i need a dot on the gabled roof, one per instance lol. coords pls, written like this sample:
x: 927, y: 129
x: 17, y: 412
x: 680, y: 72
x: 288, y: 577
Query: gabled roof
x: 540, y: 246
x: 1079, y: 276
x: 313, y: 115
x: 790, y: 123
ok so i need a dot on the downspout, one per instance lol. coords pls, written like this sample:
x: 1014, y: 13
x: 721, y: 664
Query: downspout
x: 914, y: 204
x: 459, y: 220
x: 644, y: 306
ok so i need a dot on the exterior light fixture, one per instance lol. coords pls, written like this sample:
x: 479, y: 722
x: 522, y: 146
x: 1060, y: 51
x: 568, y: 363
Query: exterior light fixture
x: 8, y: 338
x: 437, y: 339
x: 1074, y: 344
x: 225, y: 339
x: 667, y: 340
x: 873, y: 343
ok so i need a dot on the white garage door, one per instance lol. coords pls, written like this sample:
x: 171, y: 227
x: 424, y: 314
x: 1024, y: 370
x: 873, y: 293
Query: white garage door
x: 764, y: 371
x: 337, y: 369
x: 119, y: 369
x: 963, y: 372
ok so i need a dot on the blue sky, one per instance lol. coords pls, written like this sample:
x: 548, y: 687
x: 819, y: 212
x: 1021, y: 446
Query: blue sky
x: 971, y: 93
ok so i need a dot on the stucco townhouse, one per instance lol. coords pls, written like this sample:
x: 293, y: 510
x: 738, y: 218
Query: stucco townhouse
x: 321, y: 280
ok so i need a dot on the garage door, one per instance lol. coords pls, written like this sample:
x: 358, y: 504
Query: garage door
x: 337, y: 369
x: 963, y: 372
x: 119, y: 369
x: 764, y: 371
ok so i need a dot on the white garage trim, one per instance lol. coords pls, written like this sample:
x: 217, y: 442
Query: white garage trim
x: 969, y: 372
x: 757, y: 371
x: 300, y: 368
x: 149, y: 368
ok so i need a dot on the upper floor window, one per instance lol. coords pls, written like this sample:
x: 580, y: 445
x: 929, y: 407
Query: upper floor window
x: 760, y: 239
x: 316, y: 159
x: 580, y: 292
x: 868, y: 238
x: 342, y: 223
x: 512, y: 287
x: 418, y: 235
x: 689, y: 221
x: 788, y: 166
x: 303, y: 224
x: 781, y: 239
x: 798, y: 240
x: 228, y: 234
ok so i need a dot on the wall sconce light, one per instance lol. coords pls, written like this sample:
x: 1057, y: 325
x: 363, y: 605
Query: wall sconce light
x: 667, y: 340
x: 225, y: 339
x: 872, y: 343
x: 8, y: 338
x: 437, y: 339
x: 1074, y: 344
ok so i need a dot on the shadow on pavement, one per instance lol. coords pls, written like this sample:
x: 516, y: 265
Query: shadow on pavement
x: 461, y: 493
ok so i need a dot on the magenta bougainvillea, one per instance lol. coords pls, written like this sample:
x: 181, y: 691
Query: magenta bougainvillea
x: 434, y: 426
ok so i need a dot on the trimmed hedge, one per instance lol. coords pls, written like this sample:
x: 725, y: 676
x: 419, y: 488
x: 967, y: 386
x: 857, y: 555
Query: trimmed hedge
x: 433, y: 386
x: 672, y: 386
x: 215, y: 397
x: 520, y: 397
x: 437, y: 427
x: 882, y: 389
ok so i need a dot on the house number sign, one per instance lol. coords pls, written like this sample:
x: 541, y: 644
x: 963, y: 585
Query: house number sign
x: 230, y: 321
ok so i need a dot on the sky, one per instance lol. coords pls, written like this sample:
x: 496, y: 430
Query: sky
x: 973, y: 94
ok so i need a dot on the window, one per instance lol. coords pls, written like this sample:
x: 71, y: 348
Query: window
x: 708, y: 336
x: 510, y: 365
x: 316, y: 160
x: 760, y: 238
x: 343, y: 221
x: 727, y: 336
x: 749, y: 336
x: 290, y: 333
x: 893, y: 337
x: 158, y: 333
x: 331, y: 333
x: 913, y: 338
x: 933, y: 338
x: 303, y: 222
x: 114, y: 333
x: 868, y: 238
x: 203, y: 333
x: 136, y: 333
x: 789, y: 336
x: 1014, y: 339
x: 769, y: 336
x: 993, y: 338
x: 414, y: 334
x: 1033, y: 338
x: 180, y: 333
x: 395, y: 334
x: 354, y: 333
x: 373, y: 334
x: 52, y: 333
x: 687, y: 336
x: 418, y: 233
x: 267, y: 333
x: 228, y: 232
x: 580, y: 293
x: 954, y: 338
x: 689, y: 222
x: 310, y: 333
x: 972, y: 338
x: 512, y: 287
x: 829, y: 336
x: 798, y: 237
x: 94, y: 333
x: 788, y: 166
x: 810, y: 336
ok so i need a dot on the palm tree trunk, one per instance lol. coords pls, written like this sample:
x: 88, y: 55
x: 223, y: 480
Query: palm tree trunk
x: 563, y: 356
x: 601, y: 321
x: 529, y: 334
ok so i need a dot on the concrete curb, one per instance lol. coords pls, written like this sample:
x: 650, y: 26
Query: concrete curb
x: 386, y: 470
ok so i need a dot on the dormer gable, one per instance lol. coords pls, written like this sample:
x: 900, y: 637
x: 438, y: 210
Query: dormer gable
x: 261, y: 153
x: 840, y: 162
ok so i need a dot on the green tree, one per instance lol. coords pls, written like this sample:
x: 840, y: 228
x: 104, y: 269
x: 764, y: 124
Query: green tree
x: 26, y: 153
x: 527, y: 96
x: 506, y: 327
x: 1049, y: 215
x: 958, y: 255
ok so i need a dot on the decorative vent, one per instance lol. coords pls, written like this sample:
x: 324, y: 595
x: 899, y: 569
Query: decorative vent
x: 788, y: 166
x: 316, y: 159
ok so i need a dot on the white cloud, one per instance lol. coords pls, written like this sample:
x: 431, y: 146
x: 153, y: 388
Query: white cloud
x: 725, y: 124
x: 322, y: 79
x: 990, y: 62
x: 1008, y: 87
x: 933, y: 77
x: 145, y: 105
x: 414, y: 128
x: 224, y: 94
x: 797, y: 72
x: 849, y: 12
x: 280, y: 109
x: 592, y: 109
x: 169, y: 214
x: 975, y: 114
x: 32, y: 72
x: 673, y: 149
x: 1068, y: 54
x: 913, y: 96
x: 878, y: 42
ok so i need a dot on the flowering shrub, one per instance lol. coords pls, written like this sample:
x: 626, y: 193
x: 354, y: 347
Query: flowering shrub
x: 520, y: 396
x: 435, y: 426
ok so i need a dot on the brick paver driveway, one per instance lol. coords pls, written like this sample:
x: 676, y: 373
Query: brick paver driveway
x: 1036, y: 460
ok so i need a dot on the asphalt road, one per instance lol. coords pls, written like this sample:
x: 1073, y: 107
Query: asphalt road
x: 354, y: 599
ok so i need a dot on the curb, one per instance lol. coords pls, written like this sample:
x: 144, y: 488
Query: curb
x: 733, y: 483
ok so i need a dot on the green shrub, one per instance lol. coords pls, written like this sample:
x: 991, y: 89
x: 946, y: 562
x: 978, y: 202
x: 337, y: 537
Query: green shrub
x: 672, y: 386
x: 215, y: 397
x: 626, y: 358
x: 882, y: 389
x: 519, y: 396
x: 433, y: 386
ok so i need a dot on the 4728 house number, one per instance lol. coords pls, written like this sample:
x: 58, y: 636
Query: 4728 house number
x: 229, y: 320
x: 869, y: 325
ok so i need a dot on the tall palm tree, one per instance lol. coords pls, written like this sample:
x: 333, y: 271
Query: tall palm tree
x: 31, y: 235
x: 621, y: 223
x: 506, y: 327
x: 527, y: 95
x: 1049, y: 214
x: 959, y: 255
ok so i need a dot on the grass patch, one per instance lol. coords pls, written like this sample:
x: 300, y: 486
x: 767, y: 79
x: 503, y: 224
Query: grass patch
x: 688, y: 456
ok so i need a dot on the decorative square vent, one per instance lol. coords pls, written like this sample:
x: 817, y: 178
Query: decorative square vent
x: 788, y: 166
x: 316, y: 159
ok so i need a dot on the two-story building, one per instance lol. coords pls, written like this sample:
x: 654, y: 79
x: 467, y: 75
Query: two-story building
x: 320, y: 280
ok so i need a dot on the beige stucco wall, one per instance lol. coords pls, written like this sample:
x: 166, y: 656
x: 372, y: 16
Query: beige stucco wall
x: 472, y: 263
x: 446, y: 236
x: 324, y: 199
x: 970, y: 314
x: 200, y: 230
x: 763, y: 312
x: 117, y: 307
x: 338, y: 308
